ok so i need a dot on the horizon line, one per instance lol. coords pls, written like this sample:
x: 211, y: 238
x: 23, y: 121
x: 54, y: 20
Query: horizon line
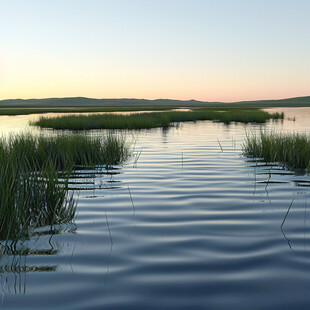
x: 145, y: 99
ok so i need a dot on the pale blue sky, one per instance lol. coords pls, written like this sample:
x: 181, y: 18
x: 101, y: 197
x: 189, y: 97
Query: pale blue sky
x: 222, y: 50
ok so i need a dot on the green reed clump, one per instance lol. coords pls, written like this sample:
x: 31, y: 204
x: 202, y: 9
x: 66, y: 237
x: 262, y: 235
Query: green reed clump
x: 153, y: 120
x: 29, y: 200
x: 33, y: 193
x: 290, y: 150
x: 66, y: 151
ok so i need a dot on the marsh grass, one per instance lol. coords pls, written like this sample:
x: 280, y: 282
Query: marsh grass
x: 289, y: 150
x: 34, y: 177
x: 29, y: 200
x: 153, y: 120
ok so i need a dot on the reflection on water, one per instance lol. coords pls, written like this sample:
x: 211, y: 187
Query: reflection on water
x: 14, y: 265
x: 188, y: 223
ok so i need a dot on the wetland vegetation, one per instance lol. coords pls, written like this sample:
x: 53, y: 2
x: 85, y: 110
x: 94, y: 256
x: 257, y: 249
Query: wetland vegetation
x: 34, y: 175
x: 290, y: 150
x: 154, y: 119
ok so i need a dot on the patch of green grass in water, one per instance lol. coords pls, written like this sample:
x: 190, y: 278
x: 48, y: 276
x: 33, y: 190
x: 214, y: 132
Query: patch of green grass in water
x: 289, y: 150
x: 153, y: 120
x: 34, y: 175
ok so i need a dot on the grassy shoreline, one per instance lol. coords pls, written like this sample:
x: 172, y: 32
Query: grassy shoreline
x: 88, y: 105
x: 12, y: 111
x: 44, y: 110
x: 154, y: 119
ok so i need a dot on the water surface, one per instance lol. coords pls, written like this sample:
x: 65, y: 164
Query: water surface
x: 191, y: 225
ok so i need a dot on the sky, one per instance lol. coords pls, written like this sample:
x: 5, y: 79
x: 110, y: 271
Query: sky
x: 211, y: 50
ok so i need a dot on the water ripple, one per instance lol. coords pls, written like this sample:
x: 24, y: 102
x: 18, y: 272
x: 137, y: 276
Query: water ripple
x: 185, y: 227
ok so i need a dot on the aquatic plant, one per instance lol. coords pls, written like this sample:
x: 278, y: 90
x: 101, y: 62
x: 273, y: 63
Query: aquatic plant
x: 291, y: 150
x: 66, y: 150
x: 30, y: 199
x: 34, y: 175
x: 153, y: 120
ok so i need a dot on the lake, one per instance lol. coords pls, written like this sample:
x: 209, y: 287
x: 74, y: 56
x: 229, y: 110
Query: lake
x: 187, y: 223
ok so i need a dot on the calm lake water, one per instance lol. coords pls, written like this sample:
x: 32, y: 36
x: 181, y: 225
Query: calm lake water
x: 192, y: 225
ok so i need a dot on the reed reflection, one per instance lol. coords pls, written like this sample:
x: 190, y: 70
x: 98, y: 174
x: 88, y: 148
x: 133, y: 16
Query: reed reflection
x: 17, y: 257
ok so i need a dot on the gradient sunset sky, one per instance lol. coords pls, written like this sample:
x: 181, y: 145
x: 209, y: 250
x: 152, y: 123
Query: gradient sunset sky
x: 213, y: 50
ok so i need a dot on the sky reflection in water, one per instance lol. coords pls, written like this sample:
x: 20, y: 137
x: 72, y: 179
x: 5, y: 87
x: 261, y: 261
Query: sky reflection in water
x: 193, y: 224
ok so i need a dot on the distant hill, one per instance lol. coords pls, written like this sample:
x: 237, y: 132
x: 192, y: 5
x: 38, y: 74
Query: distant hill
x: 91, y: 102
x: 289, y: 102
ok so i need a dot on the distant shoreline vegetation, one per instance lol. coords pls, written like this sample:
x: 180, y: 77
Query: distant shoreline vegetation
x: 43, y: 110
x: 154, y: 119
x: 84, y: 104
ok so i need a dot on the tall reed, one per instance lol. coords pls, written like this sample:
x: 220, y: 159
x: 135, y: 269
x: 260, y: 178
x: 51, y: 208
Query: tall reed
x: 33, y: 193
x: 290, y: 150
